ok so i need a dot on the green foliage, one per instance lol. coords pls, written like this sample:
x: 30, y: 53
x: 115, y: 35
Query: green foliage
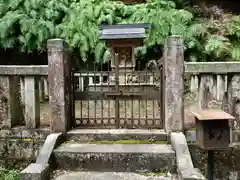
x: 6, y: 174
x: 27, y: 24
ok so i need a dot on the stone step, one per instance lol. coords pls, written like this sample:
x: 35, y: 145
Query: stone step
x: 108, y: 176
x: 116, y: 157
x: 84, y: 135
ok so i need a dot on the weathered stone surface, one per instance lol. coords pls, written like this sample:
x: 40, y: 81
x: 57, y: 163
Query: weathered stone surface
x: 24, y: 70
x: 59, y: 77
x: 184, y: 160
x: 207, y: 91
x: 108, y: 176
x: 116, y: 134
x: 233, y: 105
x: 41, y: 89
x: 23, y: 132
x: 20, y: 146
x: 191, y: 174
x: 212, y: 67
x: 116, y: 157
x: 22, y: 87
x: 191, y: 136
x: 32, y: 102
x: 35, y: 172
x: 11, y: 113
x: 46, y: 151
x: 173, y: 84
x: 225, y: 162
x: 46, y: 88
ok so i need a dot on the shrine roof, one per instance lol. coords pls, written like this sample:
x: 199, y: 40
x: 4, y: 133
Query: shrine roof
x: 123, y: 31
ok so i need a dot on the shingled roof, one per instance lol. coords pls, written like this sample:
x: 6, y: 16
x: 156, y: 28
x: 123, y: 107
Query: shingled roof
x: 123, y: 31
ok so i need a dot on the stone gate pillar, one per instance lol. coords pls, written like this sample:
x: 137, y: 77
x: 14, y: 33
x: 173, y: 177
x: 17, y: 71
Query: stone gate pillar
x: 173, y: 70
x: 59, y: 77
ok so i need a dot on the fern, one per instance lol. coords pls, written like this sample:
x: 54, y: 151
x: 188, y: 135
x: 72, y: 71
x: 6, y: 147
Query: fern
x: 236, y: 51
x: 27, y: 24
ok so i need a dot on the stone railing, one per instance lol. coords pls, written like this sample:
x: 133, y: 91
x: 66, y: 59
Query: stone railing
x: 19, y: 91
x: 217, y: 82
x: 20, y: 108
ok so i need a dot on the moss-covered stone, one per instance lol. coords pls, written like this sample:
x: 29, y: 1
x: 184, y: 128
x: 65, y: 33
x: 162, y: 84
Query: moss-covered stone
x: 128, y: 142
x: 154, y: 174
x: 225, y: 161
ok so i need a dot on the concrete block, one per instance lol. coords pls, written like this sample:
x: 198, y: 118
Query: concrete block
x: 35, y: 172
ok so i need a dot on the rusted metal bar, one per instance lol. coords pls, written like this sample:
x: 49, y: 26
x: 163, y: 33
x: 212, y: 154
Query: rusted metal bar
x: 100, y: 95
x: 116, y: 59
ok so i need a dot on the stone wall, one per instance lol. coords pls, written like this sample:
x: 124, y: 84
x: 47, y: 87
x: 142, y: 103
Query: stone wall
x: 226, y: 163
x: 20, y: 146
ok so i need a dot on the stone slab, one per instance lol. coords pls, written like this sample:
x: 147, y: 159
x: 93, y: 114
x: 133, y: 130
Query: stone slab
x: 192, y: 174
x: 35, y: 172
x: 185, y: 166
x: 116, y: 148
x: 23, y: 70
x: 46, y: 151
x: 116, y: 134
x: 211, y: 67
x: 116, y: 157
x: 108, y: 176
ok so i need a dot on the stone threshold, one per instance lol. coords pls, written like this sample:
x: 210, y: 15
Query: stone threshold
x: 115, y: 148
x: 83, y: 135
x: 116, y: 157
x: 80, y: 175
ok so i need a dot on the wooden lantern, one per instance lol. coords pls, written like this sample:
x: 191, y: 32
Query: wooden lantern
x: 212, y: 129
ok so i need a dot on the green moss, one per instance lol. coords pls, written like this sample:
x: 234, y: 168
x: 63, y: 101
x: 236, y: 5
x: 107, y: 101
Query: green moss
x: 9, y: 174
x: 69, y: 142
x: 154, y: 174
x: 28, y: 139
x: 127, y: 142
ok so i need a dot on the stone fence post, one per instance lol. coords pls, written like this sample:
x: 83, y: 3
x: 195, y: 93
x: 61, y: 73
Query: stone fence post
x: 173, y: 70
x: 59, y: 77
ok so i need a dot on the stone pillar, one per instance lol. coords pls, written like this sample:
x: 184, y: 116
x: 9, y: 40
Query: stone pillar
x: 32, y: 103
x: 46, y: 88
x: 41, y: 89
x: 59, y: 78
x: 233, y: 107
x: 173, y: 70
x: 22, y: 86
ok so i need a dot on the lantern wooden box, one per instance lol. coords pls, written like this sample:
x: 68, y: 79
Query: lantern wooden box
x: 212, y: 129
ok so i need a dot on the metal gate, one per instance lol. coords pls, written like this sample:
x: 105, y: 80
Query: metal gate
x: 118, y: 97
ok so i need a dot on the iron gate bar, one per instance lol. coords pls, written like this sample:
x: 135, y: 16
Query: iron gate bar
x: 139, y: 108
x: 116, y: 61
x: 161, y: 99
x: 132, y: 120
x: 109, y: 110
x: 146, y: 121
x: 100, y: 95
